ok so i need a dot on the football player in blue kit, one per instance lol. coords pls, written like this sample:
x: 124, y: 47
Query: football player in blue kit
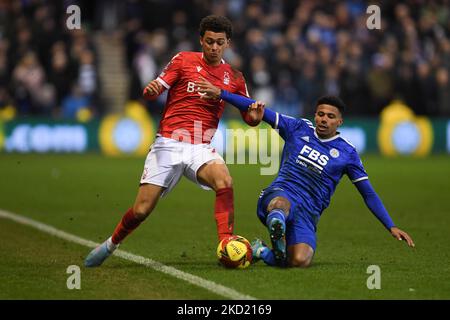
x: 313, y: 161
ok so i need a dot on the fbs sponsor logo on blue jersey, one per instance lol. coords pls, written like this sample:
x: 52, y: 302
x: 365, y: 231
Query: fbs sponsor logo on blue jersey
x: 312, y: 159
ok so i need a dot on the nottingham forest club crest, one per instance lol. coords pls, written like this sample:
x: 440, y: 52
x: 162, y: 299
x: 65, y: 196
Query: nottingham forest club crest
x: 226, y: 78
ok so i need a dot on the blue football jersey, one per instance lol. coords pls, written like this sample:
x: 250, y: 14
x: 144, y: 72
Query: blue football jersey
x: 311, y: 167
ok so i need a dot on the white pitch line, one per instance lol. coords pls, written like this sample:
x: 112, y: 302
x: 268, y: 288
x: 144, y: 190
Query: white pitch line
x: 158, y: 266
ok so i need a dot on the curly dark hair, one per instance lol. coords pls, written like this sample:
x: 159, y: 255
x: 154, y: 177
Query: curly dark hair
x: 216, y: 24
x: 332, y: 101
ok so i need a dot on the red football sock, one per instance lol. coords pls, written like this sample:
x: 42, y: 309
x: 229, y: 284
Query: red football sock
x: 224, y: 212
x: 128, y: 223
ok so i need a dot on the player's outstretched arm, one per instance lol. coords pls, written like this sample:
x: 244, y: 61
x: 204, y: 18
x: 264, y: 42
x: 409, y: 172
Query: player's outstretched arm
x: 254, y: 114
x: 252, y: 111
x: 153, y: 89
x: 256, y: 111
x: 402, y: 235
x: 255, y: 108
x: 373, y: 202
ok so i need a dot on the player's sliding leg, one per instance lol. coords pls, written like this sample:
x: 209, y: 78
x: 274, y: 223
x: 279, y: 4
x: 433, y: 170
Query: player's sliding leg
x: 146, y: 200
x: 300, y: 255
x: 276, y: 224
x: 278, y: 210
x: 260, y: 251
x: 215, y: 174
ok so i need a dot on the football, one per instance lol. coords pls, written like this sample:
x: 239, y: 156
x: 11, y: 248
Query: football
x: 234, y: 252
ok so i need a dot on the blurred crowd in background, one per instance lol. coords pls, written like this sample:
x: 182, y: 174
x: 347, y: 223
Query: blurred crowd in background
x: 291, y: 52
x: 45, y: 70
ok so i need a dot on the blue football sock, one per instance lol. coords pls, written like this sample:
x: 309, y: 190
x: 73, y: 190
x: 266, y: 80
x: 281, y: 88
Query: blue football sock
x: 275, y: 213
x: 268, y: 257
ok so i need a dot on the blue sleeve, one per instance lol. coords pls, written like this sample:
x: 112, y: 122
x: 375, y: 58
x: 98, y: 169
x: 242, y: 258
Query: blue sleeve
x: 355, y: 169
x: 374, y: 203
x: 284, y: 123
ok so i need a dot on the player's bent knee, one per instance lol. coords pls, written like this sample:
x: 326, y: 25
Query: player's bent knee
x: 300, y: 261
x: 279, y: 203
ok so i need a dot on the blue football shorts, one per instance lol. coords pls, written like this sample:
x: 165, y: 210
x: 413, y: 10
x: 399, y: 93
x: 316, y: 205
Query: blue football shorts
x: 299, y: 224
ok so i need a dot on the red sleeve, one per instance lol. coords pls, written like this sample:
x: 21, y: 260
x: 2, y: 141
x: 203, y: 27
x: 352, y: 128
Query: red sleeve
x: 242, y: 87
x: 168, y: 76
x: 243, y: 91
x: 171, y: 73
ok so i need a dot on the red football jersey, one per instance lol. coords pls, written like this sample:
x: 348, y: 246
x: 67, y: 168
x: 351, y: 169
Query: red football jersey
x: 186, y: 117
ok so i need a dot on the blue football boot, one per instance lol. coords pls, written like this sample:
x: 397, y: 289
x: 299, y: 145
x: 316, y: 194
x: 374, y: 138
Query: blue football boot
x: 257, y: 247
x: 96, y: 257
x: 277, y: 232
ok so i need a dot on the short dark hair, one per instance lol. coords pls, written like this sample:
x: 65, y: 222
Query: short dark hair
x: 332, y: 101
x: 216, y: 24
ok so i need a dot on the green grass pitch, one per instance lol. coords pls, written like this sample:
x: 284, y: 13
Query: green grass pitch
x: 86, y: 195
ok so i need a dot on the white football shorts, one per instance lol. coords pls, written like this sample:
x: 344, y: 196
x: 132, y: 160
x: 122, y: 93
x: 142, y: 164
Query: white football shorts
x: 170, y: 159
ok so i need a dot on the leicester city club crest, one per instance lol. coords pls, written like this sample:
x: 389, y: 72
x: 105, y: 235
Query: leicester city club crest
x: 334, y: 153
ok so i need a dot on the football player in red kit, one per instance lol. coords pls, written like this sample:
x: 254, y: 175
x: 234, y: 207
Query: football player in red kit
x: 187, y: 126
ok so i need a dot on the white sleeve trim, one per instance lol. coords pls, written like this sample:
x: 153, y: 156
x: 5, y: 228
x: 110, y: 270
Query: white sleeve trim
x: 276, y: 120
x: 246, y: 90
x: 360, y: 179
x: 165, y: 85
